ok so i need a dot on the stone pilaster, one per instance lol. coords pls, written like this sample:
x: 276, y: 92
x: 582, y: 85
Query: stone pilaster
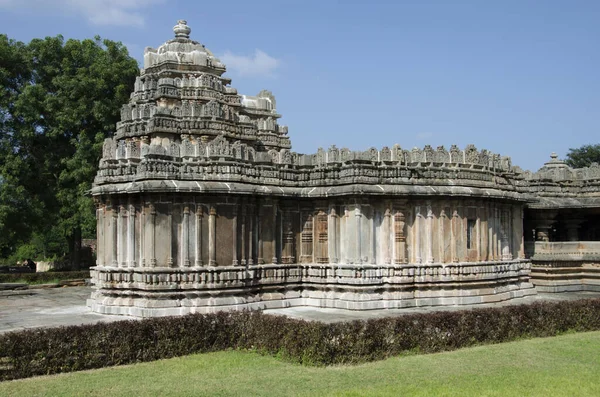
x: 121, y: 230
x: 152, y: 232
x: 399, y: 238
x: 358, y: 234
x: 185, y: 237
x: 454, y: 241
x: 243, y: 261
x: 131, y: 237
x: 386, y: 231
x: 417, y: 235
x: 429, y: 234
x: 212, y: 236
x: 170, y: 260
x: 333, y: 239
x: 322, y: 254
x: 198, y: 229
x: 307, y: 237
x: 234, y: 237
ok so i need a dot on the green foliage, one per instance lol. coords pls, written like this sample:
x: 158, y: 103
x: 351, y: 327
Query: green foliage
x: 64, y: 349
x: 583, y: 156
x: 58, y: 101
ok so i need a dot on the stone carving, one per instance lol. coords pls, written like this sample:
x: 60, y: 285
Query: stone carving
x: 187, y: 141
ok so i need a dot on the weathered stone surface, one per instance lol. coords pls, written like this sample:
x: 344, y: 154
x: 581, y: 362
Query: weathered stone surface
x: 202, y: 205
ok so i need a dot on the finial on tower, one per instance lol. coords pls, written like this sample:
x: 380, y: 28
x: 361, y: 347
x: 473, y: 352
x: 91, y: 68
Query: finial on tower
x: 182, y: 30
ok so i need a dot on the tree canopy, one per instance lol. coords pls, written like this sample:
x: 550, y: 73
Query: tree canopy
x: 583, y: 156
x: 58, y: 101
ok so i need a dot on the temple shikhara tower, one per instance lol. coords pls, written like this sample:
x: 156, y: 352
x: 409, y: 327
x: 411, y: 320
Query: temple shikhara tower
x: 202, y: 206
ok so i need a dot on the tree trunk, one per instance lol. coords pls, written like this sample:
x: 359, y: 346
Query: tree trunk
x: 75, y: 248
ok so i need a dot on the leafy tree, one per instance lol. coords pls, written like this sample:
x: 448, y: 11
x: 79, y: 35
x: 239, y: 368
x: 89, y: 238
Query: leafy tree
x: 58, y: 101
x: 583, y: 156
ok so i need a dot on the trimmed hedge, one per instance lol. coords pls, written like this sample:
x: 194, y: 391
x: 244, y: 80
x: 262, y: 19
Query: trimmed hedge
x: 64, y: 349
x: 42, y: 277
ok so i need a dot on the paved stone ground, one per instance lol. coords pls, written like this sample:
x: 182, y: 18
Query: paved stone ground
x: 51, y: 307
x: 48, y: 307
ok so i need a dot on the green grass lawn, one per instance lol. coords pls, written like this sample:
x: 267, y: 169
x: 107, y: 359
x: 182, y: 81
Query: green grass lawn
x: 567, y: 365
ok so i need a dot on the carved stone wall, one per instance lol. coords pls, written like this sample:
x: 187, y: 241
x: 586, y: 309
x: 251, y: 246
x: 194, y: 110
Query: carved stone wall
x: 202, y: 206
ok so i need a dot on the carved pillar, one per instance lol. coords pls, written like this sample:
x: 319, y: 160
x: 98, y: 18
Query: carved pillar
x: 505, y: 230
x: 322, y: 241
x: 234, y: 240
x: 142, y: 235
x: 212, y: 236
x: 478, y: 231
x: 307, y: 238
x: 185, y: 237
x: 152, y: 232
x: 259, y: 237
x: 495, y: 232
x: 454, y: 235
x: 198, y: 245
x: 429, y: 237
x: 517, y: 230
x: 441, y: 238
x: 543, y: 221
x: 333, y: 237
x: 251, y: 234
x: 122, y: 229
x: 483, y: 215
x: 275, y: 233
x: 288, y: 256
x: 385, y: 236
x: 131, y: 237
x: 170, y: 260
x: 243, y: 234
x: 100, y: 234
x: 417, y: 234
x: 357, y: 241
x: 399, y: 238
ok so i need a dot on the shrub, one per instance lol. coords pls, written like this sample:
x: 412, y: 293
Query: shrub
x: 53, y: 350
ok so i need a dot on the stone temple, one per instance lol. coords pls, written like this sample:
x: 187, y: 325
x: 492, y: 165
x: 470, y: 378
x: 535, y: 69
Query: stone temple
x: 203, y: 206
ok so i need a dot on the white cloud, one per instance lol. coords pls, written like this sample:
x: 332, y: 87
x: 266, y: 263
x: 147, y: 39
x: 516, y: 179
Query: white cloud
x: 97, y: 12
x: 259, y: 64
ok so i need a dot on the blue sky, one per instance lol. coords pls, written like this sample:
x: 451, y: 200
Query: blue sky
x: 519, y: 78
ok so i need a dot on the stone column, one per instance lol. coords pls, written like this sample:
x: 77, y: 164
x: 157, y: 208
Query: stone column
x: 386, y: 228
x: 417, y: 234
x: 454, y: 235
x: 441, y: 236
x: 288, y: 255
x: 198, y: 245
x: 251, y: 234
x: 259, y: 236
x: 333, y: 237
x: 478, y: 231
x: 517, y: 230
x: 399, y: 238
x: 131, y: 237
x: 185, y: 237
x: 490, y: 234
x: 100, y: 234
x: 212, y: 236
x: 234, y: 239
x: 122, y: 229
x: 358, y: 220
x: 429, y: 236
x: 170, y: 261
x: 322, y: 254
x: 143, y: 220
x: 274, y: 233
x: 243, y: 234
x: 152, y: 232
x: 505, y: 227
